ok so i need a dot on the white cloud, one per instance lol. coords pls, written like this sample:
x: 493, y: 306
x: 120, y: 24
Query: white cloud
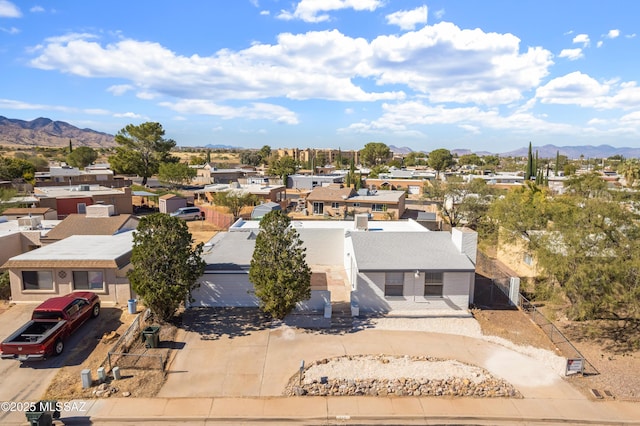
x: 9, y: 10
x: 314, y: 10
x: 631, y: 35
x: 12, y: 30
x: 438, y: 14
x: 471, y: 129
x: 36, y: 9
x: 119, y: 89
x: 349, y: 111
x: 128, y: 115
x: 265, y: 13
x: 96, y: 111
x: 408, y: 19
x: 582, y: 39
x: 254, y: 111
x: 613, y: 34
x: 600, y: 43
x: 571, y: 54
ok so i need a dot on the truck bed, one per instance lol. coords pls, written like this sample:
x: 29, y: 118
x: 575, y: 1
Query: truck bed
x: 34, y: 332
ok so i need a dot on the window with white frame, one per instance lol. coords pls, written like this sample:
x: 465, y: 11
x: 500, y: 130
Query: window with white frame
x: 318, y: 207
x: 433, y: 284
x: 394, y: 284
x: 88, y: 280
x: 378, y: 207
x: 37, y: 280
x: 335, y: 205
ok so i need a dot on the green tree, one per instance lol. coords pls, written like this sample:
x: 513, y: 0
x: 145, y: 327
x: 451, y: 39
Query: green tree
x: 470, y: 159
x: 82, y: 156
x: 630, y: 169
x: 141, y: 149
x: 440, y: 159
x: 375, y: 153
x: 166, y: 264
x: 6, y: 194
x: 5, y: 286
x: 375, y: 171
x: 175, y: 173
x: 279, y: 271
x: 234, y: 201
x: 283, y: 167
x: 15, y: 168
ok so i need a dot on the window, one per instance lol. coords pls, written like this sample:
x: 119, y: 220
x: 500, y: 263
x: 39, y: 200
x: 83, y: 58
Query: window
x: 394, y: 284
x: 433, y: 284
x: 88, y: 280
x: 318, y: 208
x: 37, y: 280
x: 378, y: 207
x: 528, y: 259
x: 335, y: 205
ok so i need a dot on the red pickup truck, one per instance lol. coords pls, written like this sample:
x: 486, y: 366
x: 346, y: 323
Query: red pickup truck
x: 51, y: 323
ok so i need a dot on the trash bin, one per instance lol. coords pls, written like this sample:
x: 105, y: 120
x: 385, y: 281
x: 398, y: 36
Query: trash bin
x: 151, y: 336
x: 42, y: 413
x: 132, y: 304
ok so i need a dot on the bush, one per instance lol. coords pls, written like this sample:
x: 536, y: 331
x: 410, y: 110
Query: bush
x: 5, y: 286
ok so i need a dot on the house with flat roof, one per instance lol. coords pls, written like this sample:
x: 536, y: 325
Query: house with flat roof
x: 394, y: 266
x: 67, y: 200
x: 265, y: 192
x: 98, y: 263
x: 21, y: 235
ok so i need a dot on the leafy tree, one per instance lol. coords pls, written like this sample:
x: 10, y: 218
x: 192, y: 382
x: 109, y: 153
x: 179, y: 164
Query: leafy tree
x: 82, y: 156
x: 415, y: 158
x: 5, y: 286
x: 15, y: 168
x: 251, y: 158
x: 440, y: 159
x: 265, y: 152
x: 279, y: 271
x: 141, y: 149
x: 375, y: 153
x: 470, y: 159
x: 630, y: 169
x: 175, y: 173
x: 234, y: 201
x: 589, y: 185
x: 461, y: 203
x: 166, y: 264
x: 6, y: 194
x: 283, y: 167
x: 376, y: 170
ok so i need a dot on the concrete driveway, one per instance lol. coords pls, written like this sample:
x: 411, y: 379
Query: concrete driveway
x: 232, y: 357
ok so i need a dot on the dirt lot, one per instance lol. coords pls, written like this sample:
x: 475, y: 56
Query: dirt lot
x: 141, y: 376
x: 202, y: 231
x: 619, y: 366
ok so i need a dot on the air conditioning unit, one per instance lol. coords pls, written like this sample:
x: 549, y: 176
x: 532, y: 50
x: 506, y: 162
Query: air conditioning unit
x: 362, y: 222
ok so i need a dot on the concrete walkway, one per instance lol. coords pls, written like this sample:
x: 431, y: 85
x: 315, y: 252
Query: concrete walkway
x: 348, y: 410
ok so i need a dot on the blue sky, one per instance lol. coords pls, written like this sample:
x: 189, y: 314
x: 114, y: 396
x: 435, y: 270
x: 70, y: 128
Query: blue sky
x: 481, y: 75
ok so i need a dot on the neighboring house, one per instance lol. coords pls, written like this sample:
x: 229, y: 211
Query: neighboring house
x: 264, y: 192
x: 412, y: 186
x: 169, y: 203
x: 67, y: 200
x: 396, y: 266
x: 22, y: 235
x: 307, y: 182
x: 67, y: 175
x: 338, y: 201
x: 99, y: 220
x: 98, y: 263
x: 44, y: 213
x: 209, y: 174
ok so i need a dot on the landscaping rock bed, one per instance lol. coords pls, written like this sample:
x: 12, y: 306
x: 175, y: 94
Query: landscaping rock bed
x: 382, y: 375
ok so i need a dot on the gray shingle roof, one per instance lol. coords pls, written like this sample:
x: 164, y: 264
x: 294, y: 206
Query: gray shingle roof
x: 404, y: 251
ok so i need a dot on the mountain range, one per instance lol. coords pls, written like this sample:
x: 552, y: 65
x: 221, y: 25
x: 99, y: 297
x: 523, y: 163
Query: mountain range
x: 46, y: 132
x: 49, y: 133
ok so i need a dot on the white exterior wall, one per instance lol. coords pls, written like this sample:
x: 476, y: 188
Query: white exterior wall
x: 224, y: 289
x: 369, y: 293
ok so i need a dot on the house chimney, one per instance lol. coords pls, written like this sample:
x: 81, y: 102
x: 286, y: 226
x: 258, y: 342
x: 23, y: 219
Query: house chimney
x: 466, y: 241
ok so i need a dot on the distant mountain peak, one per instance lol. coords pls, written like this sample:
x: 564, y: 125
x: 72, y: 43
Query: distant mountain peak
x: 45, y: 132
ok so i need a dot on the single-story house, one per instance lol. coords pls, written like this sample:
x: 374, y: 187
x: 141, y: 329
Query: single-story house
x: 260, y: 210
x: 304, y: 182
x: 44, y: 213
x: 97, y: 221
x: 98, y: 263
x: 396, y: 266
x: 75, y: 199
x: 338, y: 201
x: 22, y: 235
x: 263, y: 191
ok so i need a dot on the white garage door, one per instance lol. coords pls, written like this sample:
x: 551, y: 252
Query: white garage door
x: 414, y: 189
x: 224, y: 289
